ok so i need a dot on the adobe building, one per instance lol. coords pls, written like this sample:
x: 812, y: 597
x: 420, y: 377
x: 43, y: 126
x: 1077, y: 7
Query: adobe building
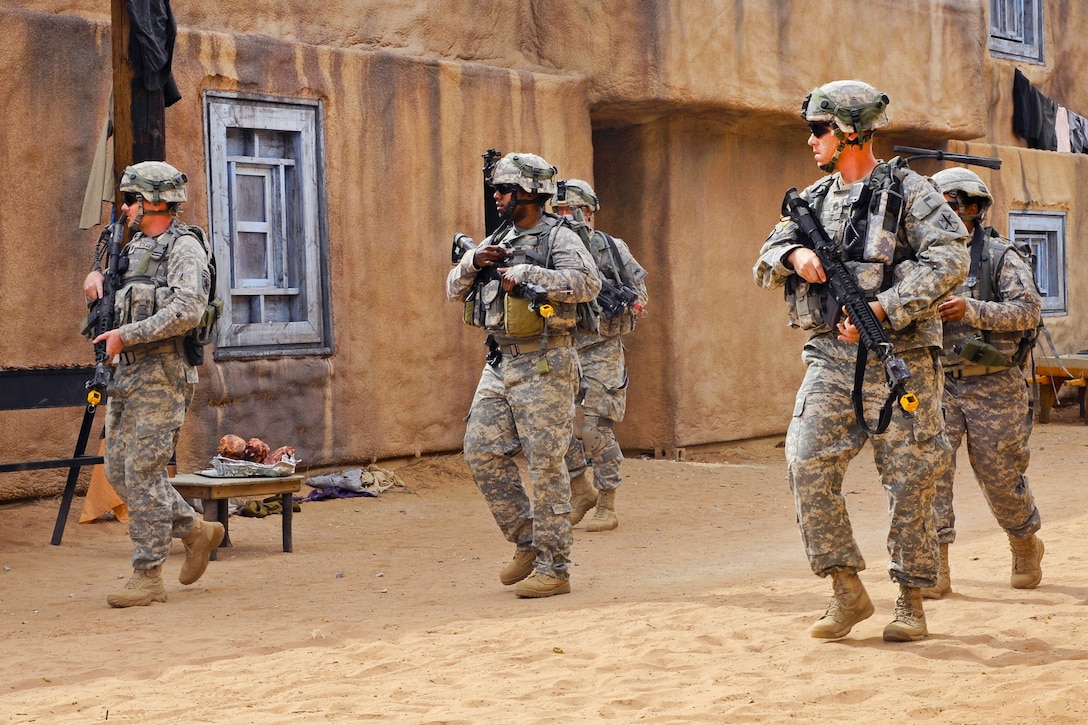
x: 334, y: 152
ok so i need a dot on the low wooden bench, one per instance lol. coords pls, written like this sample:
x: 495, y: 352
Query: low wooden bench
x: 1051, y: 374
x: 217, y: 492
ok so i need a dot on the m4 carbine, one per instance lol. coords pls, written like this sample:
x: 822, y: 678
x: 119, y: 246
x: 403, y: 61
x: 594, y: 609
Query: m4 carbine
x: 534, y: 293
x: 844, y: 289
x: 101, y: 318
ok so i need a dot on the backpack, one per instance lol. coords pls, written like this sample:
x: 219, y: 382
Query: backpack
x: 196, y: 338
x: 988, y: 271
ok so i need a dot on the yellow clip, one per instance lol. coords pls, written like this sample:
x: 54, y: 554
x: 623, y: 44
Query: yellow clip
x: 909, y: 402
x: 546, y: 310
x: 94, y: 397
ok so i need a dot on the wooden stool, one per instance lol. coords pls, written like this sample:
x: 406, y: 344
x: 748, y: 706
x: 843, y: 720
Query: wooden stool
x: 220, y: 490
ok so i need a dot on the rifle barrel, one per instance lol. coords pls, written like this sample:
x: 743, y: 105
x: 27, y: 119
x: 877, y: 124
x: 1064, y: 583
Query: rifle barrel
x: 938, y: 155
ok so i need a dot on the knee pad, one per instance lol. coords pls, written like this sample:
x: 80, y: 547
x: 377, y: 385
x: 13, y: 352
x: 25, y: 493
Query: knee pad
x: 598, y: 440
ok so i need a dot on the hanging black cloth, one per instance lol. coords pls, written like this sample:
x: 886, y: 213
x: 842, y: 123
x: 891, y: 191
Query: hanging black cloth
x: 1033, y: 114
x: 151, y: 46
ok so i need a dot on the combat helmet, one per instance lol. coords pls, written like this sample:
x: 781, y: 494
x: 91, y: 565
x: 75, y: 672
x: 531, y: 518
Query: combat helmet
x: 850, y: 106
x: 528, y: 171
x: 154, y: 181
x: 964, y: 181
x: 577, y: 193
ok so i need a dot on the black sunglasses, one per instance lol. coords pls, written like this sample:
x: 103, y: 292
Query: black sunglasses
x: 506, y: 188
x: 131, y: 197
x: 819, y: 130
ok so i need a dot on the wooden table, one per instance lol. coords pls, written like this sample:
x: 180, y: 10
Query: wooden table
x: 1051, y: 374
x: 220, y: 490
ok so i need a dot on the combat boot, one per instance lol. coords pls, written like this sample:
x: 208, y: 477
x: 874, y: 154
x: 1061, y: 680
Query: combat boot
x: 542, y: 585
x: 1027, y: 559
x: 944, y: 578
x: 849, y: 605
x: 605, y: 517
x: 583, y: 497
x: 909, y: 624
x: 144, y: 587
x: 199, y: 544
x: 519, y: 567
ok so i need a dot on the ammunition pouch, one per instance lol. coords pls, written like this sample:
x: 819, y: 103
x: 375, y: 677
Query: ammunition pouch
x: 519, y: 320
x: 805, y: 304
x: 976, y: 350
x: 483, y: 308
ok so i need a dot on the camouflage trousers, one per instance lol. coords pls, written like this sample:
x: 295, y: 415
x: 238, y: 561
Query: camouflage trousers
x: 603, y: 394
x: 823, y: 438
x: 993, y: 411
x: 516, y: 409
x: 147, y: 403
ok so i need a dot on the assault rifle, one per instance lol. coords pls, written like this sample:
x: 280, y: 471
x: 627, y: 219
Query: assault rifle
x: 101, y: 318
x: 845, y: 290
x: 492, y: 221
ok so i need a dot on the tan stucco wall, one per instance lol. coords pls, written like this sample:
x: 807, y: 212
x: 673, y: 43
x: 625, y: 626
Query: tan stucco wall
x: 682, y: 114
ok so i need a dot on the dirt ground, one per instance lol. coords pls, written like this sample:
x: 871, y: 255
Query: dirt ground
x: 694, y: 610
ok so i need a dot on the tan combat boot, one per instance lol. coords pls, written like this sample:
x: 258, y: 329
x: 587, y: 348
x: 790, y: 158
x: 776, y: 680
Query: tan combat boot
x: 909, y: 624
x: 542, y: 585
x: 605, y: 517
x: 1027, y: 559
x: 849, y: 605
x: 583, y: 497
x: 944, y: 578
x: 144, y: 587
x: 519, y: 567
x: 199, y: 544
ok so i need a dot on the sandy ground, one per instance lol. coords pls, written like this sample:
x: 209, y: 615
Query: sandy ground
x: 694, y: 610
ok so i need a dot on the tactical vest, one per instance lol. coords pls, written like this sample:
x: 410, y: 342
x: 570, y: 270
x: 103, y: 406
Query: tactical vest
x: 488, y: 306
x: 611, y: 267
x: 867, y: 228
x: 987, y: 258
x: 145, y: 290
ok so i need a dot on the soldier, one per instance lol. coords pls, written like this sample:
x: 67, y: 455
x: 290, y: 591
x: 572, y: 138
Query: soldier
x: 603, y: 390
x: 906, y: 248
x: 163, y: 293
x: 989, y: 327
x: 525, y: 398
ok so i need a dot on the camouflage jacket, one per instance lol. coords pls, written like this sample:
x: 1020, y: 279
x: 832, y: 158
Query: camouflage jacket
x: 930, y: 257
x: 1014, y: 306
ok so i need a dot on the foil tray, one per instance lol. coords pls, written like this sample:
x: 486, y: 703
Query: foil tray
x: 232, y: 468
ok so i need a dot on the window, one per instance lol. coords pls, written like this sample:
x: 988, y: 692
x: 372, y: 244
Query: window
x: 1016, y: 29
x: 267, y: 225
x: 1045, y: 232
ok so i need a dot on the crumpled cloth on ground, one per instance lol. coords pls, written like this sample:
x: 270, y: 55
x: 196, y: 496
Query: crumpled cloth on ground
x: 101, y: 499
x: 370, y: 481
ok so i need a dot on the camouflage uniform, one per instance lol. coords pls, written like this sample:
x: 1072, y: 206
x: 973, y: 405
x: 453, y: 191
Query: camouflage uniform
x: 929, y: 260
x: 525, y: 402
x: 603, y: 387
x: 991, y: 404
x: 151, y: 388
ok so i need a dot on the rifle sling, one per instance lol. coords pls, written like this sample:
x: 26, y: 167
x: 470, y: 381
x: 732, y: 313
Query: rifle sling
x: 858, y: 399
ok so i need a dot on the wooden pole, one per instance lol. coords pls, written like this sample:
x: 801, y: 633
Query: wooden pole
x: 122, y: 91
x: 139, y: 115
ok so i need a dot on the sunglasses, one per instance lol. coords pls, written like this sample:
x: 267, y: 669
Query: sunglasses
x: 131, y: 197
x: 819, y: 130
x: 506, y: 188
x: 953, y: 204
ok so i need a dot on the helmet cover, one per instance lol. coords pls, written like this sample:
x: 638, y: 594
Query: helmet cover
x: 154, y: 181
